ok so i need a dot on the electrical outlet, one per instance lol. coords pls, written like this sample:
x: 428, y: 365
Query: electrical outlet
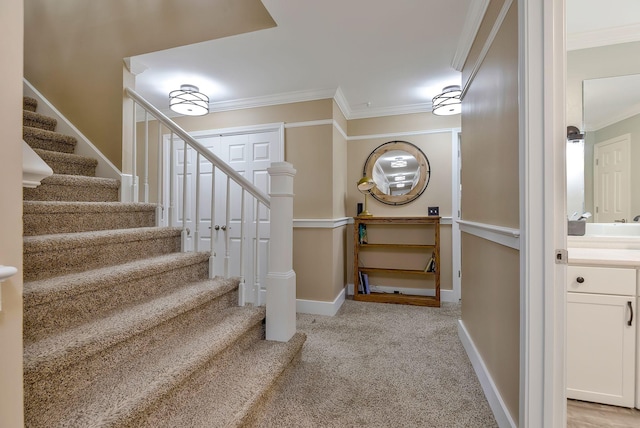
x: 434, y: 211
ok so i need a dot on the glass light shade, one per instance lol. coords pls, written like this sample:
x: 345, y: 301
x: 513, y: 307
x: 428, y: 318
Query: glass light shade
x: 188, y: 101
x: 448, y: 102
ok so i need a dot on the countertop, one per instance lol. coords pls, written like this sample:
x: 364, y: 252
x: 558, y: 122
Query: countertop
x: 604, y: 257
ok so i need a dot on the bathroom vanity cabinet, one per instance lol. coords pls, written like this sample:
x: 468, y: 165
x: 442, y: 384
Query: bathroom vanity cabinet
x: 602, y: 334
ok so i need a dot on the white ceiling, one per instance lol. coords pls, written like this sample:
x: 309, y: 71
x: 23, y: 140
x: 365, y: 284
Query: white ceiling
x: 377, y: 57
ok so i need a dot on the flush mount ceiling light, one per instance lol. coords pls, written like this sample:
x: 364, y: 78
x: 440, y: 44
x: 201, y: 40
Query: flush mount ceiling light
x: 188, y: 101
x: 448, y: 102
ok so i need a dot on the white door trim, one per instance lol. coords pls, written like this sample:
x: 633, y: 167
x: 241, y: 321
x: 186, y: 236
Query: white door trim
x: 542, y: 212
x: 456, y: 257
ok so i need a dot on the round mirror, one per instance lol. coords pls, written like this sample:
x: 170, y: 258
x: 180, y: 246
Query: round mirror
x: 400, y: 170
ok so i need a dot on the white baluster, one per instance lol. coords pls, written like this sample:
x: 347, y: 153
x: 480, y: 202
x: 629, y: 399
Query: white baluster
x: 196, y: 235
x: 160, y: 193
x: 184, y: 234
x: 134, y: 159
x: 172, y: 189
x: 225, y: 228
x: 242, y: 290
x: 256, y: 258
x: 212, y: 256
x: 146, y: 157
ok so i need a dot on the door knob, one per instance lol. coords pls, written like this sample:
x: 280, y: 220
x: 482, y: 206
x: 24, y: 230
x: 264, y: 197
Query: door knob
x: 580, y: 280
x: 216, y: 227
x: 223, y: 227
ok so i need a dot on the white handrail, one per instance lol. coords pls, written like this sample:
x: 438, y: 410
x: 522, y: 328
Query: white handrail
x: 280, y: 279
x: 207, y: 154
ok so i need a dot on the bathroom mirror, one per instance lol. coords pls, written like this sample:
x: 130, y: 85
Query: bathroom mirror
x: 400, y: 170
x: 611, y: 121
x: 603, y: 101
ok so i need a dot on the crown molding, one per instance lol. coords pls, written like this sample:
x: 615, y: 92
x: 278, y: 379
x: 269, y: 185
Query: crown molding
x: 472, y: 22
x: 626, y: 114
x: 604, y: 37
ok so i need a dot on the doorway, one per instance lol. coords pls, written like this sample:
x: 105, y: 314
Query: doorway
x: 249, y: 151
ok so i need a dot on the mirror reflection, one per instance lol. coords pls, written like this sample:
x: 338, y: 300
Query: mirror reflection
x: 599, y: 166
x: 400, y: 171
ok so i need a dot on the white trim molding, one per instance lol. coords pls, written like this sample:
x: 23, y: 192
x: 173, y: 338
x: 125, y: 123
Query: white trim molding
x: 321, y: 223
x: 445, y: 295
x: 6, y: 272
x: 603, y: 37
x: 34, y: 169
x: 497, y: 404
x: 507, y: 236
x: 317, y: 307
x: 472, y: 22
x: 487, y: 45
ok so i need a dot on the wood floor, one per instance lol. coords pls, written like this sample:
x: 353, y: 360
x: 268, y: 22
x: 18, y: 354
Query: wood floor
x: 581, y: 414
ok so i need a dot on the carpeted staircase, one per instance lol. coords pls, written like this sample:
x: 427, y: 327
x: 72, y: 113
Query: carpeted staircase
x: 121, y: 329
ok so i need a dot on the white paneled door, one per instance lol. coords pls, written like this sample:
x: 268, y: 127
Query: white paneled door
x: 249, y: 152
x: 611, y: 182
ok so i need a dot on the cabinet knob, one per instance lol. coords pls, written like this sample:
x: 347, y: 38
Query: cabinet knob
x: 580, y: 280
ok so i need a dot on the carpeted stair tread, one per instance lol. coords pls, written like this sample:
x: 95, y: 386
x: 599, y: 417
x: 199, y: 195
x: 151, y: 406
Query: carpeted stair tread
x: 48, y: 140
x: 47, y: 256
x: 117, y: 397
x: 69, y: 286
x: 55, y: 304
x: 29, y: 103
x: 68, y: 163
x: 62, y: 350
x: 239, y: 382
x: 37, y: 120
x: 74, y: 188
x: 52, y: 217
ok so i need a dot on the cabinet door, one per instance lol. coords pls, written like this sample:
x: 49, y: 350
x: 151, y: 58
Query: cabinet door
x: 601, y: 348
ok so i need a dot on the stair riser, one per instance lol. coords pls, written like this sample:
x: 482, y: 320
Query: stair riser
x: 45, y: 224
x: 170, y: 403
x: 56, y: 316
x: 44, y: 143
x: 70, y: 168
x: 39, y: 121
x: 47, y: 263
x: 54, y: 192
x: 49, y: 390
x: 29, y: 104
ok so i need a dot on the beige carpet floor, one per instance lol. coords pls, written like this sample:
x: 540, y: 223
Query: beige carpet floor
x: 380, y: 365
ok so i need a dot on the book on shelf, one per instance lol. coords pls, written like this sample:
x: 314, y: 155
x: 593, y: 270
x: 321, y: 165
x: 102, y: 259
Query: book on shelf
x: 365, y: 283
x: 363, y: 286
x: 431, y: 264
x: 362, y: 234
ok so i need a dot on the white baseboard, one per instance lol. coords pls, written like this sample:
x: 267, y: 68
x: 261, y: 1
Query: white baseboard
x: 445, y: 295
x: 500, y: 411
x: 316, y: 307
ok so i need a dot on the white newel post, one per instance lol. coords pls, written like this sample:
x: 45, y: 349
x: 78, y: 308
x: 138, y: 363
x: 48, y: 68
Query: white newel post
x: 281, y: 279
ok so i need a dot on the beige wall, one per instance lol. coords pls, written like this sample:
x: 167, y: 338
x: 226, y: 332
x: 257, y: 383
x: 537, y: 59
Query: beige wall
x: 490, y: 195
x: 74, y: 50
x: 328, y: 166
x: 436, y: 146
x: 11, y: 395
